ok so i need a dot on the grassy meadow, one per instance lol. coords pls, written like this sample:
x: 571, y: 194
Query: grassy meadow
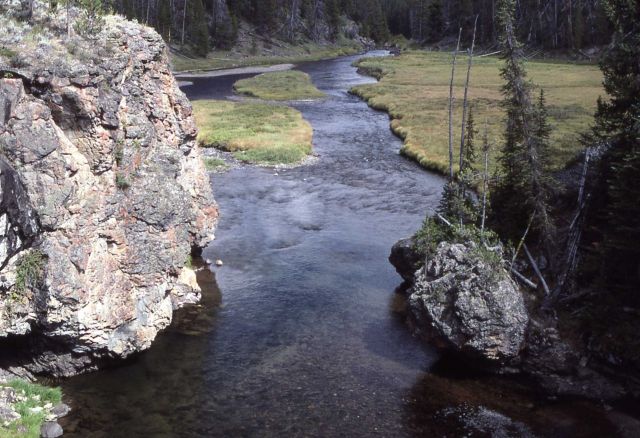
x: 414, y: 90
x: 254, y: 132
x: 282, y: 85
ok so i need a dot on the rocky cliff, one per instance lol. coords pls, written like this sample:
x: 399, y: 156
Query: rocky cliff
x: 102, y: 190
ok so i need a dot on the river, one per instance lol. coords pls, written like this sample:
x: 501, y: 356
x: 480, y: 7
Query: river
x: 301, y: 332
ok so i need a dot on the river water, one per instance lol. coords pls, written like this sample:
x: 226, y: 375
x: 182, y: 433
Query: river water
x: 301, y: 332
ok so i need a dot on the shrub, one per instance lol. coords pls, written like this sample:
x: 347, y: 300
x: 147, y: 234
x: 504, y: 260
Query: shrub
x: 29, y: 271
x: 433, y: 232
x: 122, y: 182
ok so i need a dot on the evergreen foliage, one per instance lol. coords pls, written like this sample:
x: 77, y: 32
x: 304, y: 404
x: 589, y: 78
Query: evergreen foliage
x: 618, y: 124
x: 524, y: 188
x: 199, y: 30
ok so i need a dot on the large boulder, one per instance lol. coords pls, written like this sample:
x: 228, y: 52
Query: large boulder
x: 103, y: 192
x: 405, y: 258
x: 463, y: 301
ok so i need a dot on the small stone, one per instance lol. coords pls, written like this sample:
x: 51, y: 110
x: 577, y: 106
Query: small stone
x: 50, y: 429
x: 219, y: 262
x: 60, y: 410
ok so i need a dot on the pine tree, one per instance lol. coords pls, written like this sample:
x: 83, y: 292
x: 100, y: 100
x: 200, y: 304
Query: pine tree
x: 524, y: 191
x: 164, y: 19
x: 90, y: 21
x: 333, y: 13
x: 435, y: 21
x: 457, y: 203
x: 198, y: 30
x: 618, y: 123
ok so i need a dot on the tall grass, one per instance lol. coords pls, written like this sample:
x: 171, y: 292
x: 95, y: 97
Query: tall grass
x: 254, y: 132
x: 282, y: 85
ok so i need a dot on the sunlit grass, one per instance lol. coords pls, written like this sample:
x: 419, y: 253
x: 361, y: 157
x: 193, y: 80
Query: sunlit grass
x: 30, y: 410
x: 254, y: 132
x: 282, y: 85
x: 414, y: 89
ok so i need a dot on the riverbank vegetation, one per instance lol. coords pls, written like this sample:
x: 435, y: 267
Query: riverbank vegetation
x: 254, y: 132
x: 33, y: 403
x: 285, y: 85
x: 214, y: 164
x: 414, y: 89
x: 255, y: 55
x: 570, y: 237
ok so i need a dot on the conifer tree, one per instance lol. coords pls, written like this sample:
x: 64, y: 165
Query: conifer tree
x: 333, y: 13
x: 435, y: 21
x: 164, y: 19
x: 618, y: 124
x: 199, y: 30
x: 523, y: 191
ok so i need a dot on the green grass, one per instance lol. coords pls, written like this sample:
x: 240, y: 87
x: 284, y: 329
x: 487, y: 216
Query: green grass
x: 282, y: 85
x: 36, y: 396
x: 414, y: 90
x: 289, y: 54
x: 213, y: 163
x: 29, y: 271
x: 254, y: 132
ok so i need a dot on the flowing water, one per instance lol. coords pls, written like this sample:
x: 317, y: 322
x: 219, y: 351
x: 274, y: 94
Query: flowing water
x: 300, y: 332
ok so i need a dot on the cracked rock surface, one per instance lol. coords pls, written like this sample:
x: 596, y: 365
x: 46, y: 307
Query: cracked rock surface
x: 102, y: 184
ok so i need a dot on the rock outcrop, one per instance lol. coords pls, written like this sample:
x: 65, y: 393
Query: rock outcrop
x: 465, y: 303
x: 103, y: 193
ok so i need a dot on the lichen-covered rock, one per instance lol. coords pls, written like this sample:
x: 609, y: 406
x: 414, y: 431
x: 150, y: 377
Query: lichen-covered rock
x: 464, y: 303
x: 100, y: 177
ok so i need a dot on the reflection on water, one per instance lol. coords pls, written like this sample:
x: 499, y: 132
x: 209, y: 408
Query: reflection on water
x: 305, y: 335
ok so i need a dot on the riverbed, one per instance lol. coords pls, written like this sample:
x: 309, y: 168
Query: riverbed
x: 302, y: 331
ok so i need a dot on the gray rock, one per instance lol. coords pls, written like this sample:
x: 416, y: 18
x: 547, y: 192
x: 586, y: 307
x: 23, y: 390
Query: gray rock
x: 405, y: 258
x: 51, y: 429
x: 60, y: 410
x: 463, y: 303
x: 101, y: 173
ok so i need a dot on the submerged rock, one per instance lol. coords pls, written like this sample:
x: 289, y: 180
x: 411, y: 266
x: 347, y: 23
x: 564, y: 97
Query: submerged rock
x: 467, y: 304
x: 103, y: 194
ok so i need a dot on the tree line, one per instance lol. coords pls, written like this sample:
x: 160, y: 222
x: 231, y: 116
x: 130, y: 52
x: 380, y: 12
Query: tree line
x: 214, y: 23
x: 550, y: 24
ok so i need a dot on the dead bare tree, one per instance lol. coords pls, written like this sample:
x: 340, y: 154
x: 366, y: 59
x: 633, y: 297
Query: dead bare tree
x: 465, y: 101
x: 453, y: 72
x: 184, y: 20
x: 485, y: 175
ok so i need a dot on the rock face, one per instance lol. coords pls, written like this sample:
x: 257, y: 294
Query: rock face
x: 103, y: 193
x: 463, y: 303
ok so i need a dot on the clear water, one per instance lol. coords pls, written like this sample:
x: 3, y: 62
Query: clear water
x: 301, y: 332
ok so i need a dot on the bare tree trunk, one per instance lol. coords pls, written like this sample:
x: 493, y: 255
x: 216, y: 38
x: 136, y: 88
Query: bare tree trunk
x: 466, y: 92
x: 534, y: 265
x: 485, y: 177
x: 453, y: 72
x: 184, y: 19
x: 294, y: 10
